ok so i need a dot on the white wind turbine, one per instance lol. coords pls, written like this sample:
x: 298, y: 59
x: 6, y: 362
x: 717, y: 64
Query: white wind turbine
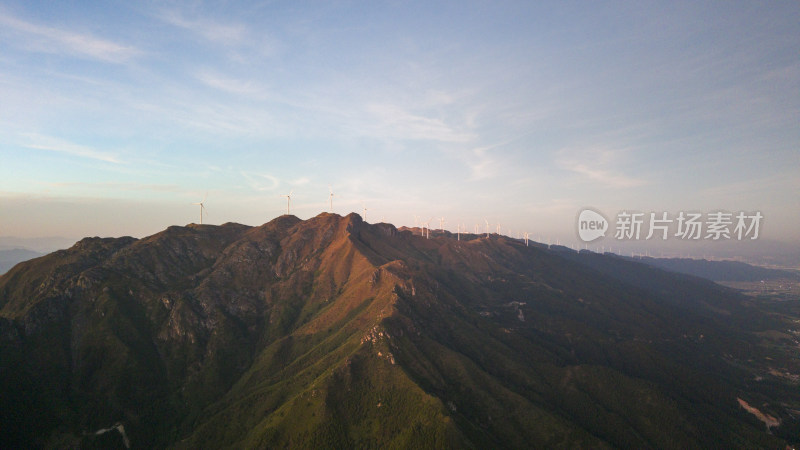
x: 441, y: 224
x: 498, y: 228
x: 526, y: 238
x: 365, y: 211
x: 202, y: 207
x: 288, y: 201
x: 330, y: 197
x: 428, y: 226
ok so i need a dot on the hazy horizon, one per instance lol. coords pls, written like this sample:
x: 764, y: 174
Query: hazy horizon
x: 117, y: 117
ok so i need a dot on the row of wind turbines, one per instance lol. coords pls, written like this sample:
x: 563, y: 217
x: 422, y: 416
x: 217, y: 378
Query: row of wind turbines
x: 330, y: 200
x: 288, y: 196
x: 425, y: 227
x: 425, y: 230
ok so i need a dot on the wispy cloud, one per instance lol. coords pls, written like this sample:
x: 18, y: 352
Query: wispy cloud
x: 260, y: 182
x: 599, y: 165
x: 483, y: 162
x: 46, y: 39
x: 39, y: 142
x: 396, y: 122
x: 605, y: 177
x: 215, y: 117
x: 231, y: 85
x: 217, y: 32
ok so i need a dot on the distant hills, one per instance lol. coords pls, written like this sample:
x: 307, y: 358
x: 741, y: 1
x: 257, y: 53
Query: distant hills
x: 719, y: 270
x: 14, y: 250
x: 38, y: 244
x: 335, y: 333
x: 10, y: 258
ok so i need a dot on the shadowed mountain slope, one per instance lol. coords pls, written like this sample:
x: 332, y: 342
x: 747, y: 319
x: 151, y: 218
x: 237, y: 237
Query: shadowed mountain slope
x: 331, y: 332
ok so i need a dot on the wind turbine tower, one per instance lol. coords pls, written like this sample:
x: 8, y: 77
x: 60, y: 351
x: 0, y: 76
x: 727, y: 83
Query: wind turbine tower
x: 330, y: 197
x: 289, y: 201
x: 441, y: 224
x: 202, y: 207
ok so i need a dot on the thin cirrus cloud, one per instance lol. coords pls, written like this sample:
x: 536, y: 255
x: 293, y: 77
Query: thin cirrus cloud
x: 260, y: 181
x: 482, y: 164
x: 231, y: 85
x: 394, y: 121
x: 44, y: 39
x: 225, y: 34
x: 48, y: 143
x: 605, y: 177
x: 596, y: 165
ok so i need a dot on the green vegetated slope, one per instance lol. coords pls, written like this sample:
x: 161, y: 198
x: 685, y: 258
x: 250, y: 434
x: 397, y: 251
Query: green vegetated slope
x: 332, y: 332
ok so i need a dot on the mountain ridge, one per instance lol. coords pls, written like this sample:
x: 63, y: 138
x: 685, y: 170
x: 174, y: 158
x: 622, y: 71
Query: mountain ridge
x: 334, y: 331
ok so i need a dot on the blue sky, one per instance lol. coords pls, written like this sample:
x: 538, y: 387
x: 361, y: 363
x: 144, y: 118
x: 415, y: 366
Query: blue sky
x: 117, y: 116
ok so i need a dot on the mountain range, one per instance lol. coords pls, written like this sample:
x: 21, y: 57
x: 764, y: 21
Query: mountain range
x: 332, y: 332
x: 720, y: 270
x: 11, y: 257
